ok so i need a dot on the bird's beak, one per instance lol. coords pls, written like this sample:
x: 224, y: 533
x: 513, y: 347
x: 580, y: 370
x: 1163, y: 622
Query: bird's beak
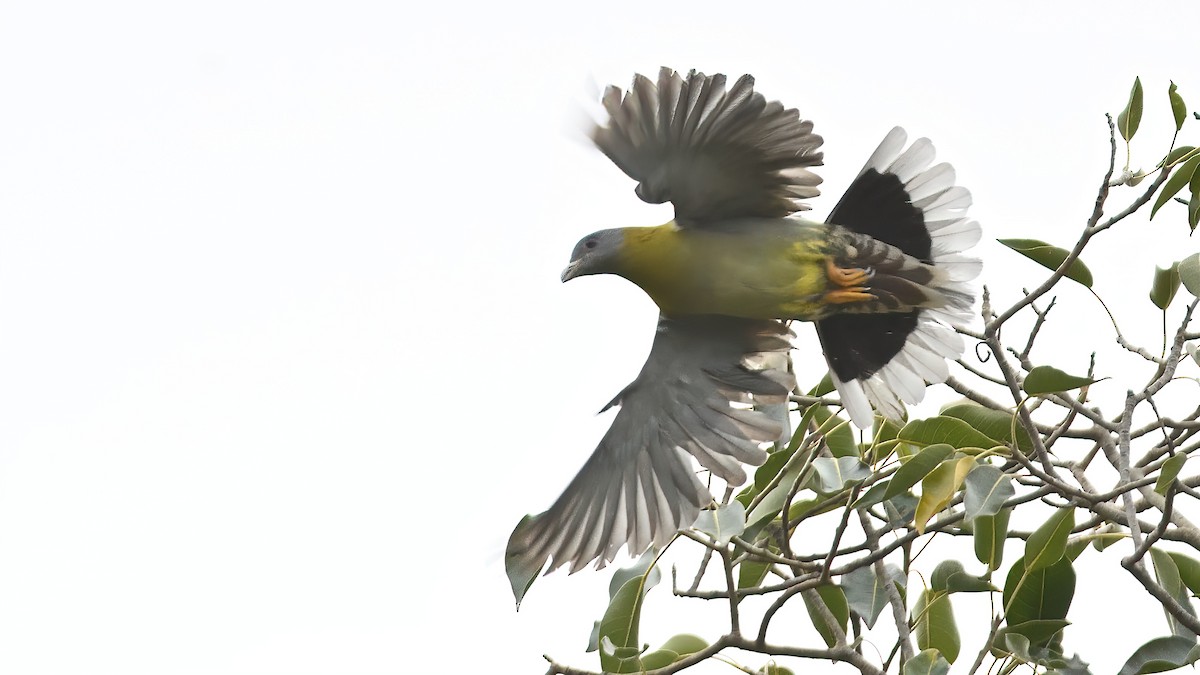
x: 572, y: 270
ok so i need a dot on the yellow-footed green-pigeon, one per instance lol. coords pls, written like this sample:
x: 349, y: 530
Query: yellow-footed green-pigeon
x: 881, y: 281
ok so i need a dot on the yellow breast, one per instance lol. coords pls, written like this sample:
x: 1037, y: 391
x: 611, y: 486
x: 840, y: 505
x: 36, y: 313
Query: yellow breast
x: 770, y: 270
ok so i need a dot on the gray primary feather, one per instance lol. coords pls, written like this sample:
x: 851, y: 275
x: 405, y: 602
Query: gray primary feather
x: 640, y: 487
x: 714, y: 154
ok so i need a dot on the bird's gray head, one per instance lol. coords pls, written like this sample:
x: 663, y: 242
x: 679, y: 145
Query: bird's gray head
x: 597, y: 253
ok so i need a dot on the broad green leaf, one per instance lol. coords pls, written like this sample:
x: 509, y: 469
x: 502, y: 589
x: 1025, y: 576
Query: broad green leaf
x: 672, y: 650
x: 521, y: 574
x: 835, y: 600
x: 939, y: 487
x: 903, y: 509
x: 1050, y: 380
x: 994, y: 424
x: 1131, y: 117
x: 935, y: 627
x: 1050, y: 257
x: 752, y: 573
x: 1160, y: 655
x: 1175, y: 155
x: 865, y: 591
x: 928, y: 662
x: 1178, y: 107
x: 951, y: 577
x: 775, y: 669
x: 1169, y: 578
x: 838, y: 435
x: 990, y: 534
x: 619, y: 629
x: 1038, y: 631
x: 987, y: 488
x: 873, y: 496
x: 1048, y: 543
x: 1189, y: 571
x: 949, y: 430
x: 1166, y: 283
x: 1189, y: 273
x: 917, y: 467
x: 825, y: 386
x: 1038, y: 594
x: 723, y: 523
x: 636, y: 571
x: 1194, y: 201
x: 1182, y: 176
x: 831, y: 474
x: 1170, y: 470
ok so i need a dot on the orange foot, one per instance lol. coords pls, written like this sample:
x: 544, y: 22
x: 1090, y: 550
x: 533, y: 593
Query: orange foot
x: 850, y: 284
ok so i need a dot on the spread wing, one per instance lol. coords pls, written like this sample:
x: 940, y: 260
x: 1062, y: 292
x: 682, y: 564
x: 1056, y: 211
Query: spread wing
x: 640, y: 487
x: 715, y: 154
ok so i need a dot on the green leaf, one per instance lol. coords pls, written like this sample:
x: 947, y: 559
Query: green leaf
x: 1194, y: 201
x: 1189, y: 571
x: 1171, y: 581
x: 950, y: 576
x: 1131, y: 117
x: 1160, y: 655
x: 636, y: 571
x: 1048, y: 543
x: 835, y: 600
x: 619, y: 629
x: 1170, y: 470
x: 831, y: 474
x: 1189, y: 273
x: 1175, y: 155
x: 949, y: 430
x: 1166, y: 283
x: 935, y: 626
x: 723, y: 523
x: 865, y: 591
x: 838, y: 435
x: 1044, y: 380
x: 1182, y: 176
x: 1050, y: 257
x: 939, y: 487
x: 995, y: 424
x: 672, y: 650
x: 987, y: 488
x: 1038, y: 594
x: 990, y: 534
x: 873, y: 496
x: 521, y: 574
x: 1039, y: 631
x: 1178, y: 107
x: 928, y: 662
x: 917, y: 467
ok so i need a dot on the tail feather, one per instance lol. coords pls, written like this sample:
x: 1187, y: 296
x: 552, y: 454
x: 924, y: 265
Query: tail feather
x: 909, y: 224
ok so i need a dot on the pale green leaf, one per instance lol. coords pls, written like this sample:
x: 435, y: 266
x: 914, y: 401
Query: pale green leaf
x: 1050, y: 257
x: 1050, y: 380
x: 1170, y: 470
x: 1048, y: 543
x: 935, y: 627
x: 1178, y: 107
x: 1189, y: 273
x: 1160, y: 655
x: 1179, y: 178
x: 928, y: 662
x: 987, y: 488
x: 990, y: 533
x: 1131, y: 117
x: 1166, y: 283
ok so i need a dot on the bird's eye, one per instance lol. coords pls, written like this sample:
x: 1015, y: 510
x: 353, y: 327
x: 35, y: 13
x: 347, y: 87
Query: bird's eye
x: 590, y: 244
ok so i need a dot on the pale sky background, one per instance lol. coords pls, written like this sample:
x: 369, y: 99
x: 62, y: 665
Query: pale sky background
x: 283, y: 351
